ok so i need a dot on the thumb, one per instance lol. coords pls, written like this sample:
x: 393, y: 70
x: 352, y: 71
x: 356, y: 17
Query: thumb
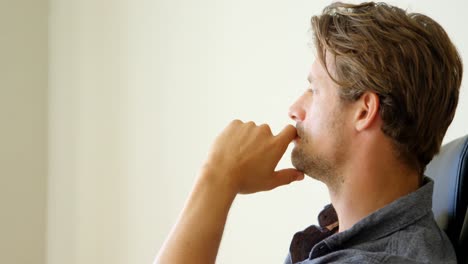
x: 285, y: 176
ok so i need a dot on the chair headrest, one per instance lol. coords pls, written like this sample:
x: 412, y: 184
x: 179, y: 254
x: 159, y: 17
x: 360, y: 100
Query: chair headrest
x: 449, y: 170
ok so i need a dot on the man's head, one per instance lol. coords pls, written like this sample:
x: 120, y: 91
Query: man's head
x: 406, y: 60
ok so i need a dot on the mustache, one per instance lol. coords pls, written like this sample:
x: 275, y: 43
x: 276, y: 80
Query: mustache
x: 299, y: 130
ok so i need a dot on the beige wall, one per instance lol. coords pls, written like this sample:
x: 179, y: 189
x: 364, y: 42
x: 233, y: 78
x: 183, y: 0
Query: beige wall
x: 23, y: 125
x: 87, y: 111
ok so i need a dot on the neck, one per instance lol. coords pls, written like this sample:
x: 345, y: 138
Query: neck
x: 370, y: 186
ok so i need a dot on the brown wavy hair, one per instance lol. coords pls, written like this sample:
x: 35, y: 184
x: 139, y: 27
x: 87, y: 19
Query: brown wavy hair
x: 407, y: 59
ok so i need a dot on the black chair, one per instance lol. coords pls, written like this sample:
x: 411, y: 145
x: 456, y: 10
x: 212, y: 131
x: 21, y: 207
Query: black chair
x: 449, y: 170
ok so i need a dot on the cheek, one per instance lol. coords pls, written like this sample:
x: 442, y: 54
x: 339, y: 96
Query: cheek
x: 319, y: 115
x: 312, y: 131
x: 314, y: 124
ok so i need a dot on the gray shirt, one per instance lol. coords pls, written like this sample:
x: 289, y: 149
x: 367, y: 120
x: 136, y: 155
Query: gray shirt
x: 402, y: 232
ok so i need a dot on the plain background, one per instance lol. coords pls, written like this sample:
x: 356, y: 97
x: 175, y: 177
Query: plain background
x: 23, y: 130
x: 108, y: 108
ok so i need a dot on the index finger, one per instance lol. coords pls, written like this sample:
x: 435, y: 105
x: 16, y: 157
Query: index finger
x: 286, y: 135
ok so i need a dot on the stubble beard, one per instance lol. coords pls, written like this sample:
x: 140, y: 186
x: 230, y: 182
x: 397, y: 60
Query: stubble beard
x: 319, y: 166
x: 313, y: 165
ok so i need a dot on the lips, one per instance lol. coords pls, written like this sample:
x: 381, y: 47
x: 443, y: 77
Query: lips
x: 299, y: 133
x: 299, y: 130
x: 297, y: 138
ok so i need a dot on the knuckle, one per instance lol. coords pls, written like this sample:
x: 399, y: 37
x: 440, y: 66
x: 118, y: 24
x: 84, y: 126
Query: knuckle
x: 235, y: 122
x: 265, y: 128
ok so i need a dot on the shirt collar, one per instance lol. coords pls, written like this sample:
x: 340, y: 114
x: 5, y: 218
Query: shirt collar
x: 391, y: 218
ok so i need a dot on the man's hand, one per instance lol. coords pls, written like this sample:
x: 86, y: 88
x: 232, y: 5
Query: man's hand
x: 242, y: 160
x: 245, y: 156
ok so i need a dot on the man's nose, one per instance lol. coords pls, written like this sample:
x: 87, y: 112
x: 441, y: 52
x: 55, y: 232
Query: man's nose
x: 297, y: 112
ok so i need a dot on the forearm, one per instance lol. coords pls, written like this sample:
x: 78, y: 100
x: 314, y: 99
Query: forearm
x: 197, y: 234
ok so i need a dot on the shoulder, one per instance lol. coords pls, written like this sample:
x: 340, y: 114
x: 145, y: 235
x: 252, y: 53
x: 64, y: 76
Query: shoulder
x: 425, y: 242
x: 351, y: 256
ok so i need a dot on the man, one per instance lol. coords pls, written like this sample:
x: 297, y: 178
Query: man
x: 383, y: 91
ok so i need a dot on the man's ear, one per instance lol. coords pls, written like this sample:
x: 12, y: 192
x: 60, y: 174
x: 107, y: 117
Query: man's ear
x: 366, y: 110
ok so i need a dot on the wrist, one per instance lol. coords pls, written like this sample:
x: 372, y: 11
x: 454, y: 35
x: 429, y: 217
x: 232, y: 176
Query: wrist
x: 219, y: 181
